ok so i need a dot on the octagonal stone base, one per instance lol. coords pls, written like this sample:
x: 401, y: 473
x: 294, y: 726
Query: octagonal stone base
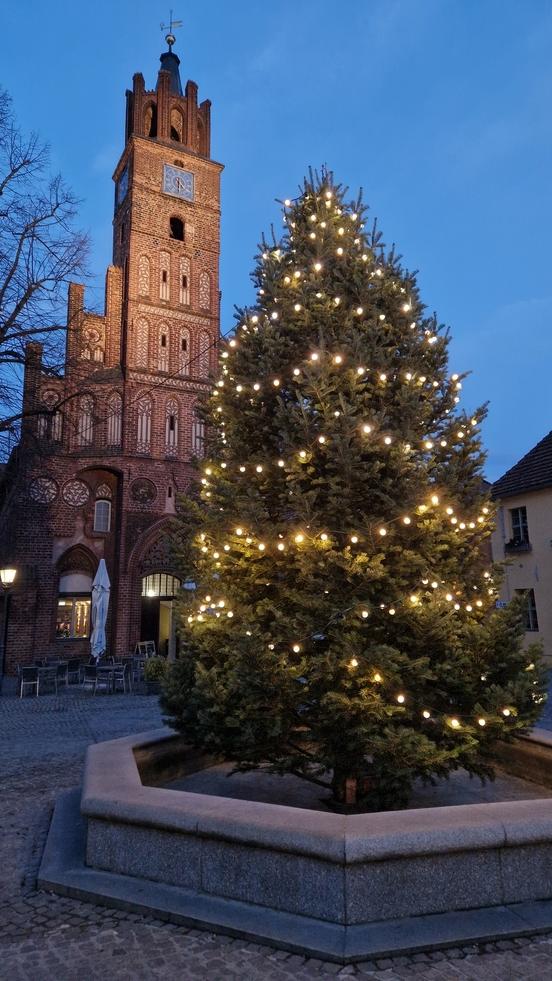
x: 343, y: 887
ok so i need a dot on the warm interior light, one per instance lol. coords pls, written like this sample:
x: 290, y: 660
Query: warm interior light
x: 7, y: 576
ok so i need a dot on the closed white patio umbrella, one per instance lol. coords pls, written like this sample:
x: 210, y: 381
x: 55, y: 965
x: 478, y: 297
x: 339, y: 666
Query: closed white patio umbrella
x: 100, y: 603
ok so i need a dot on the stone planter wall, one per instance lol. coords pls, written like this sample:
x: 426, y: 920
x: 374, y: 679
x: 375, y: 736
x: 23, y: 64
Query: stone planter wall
x: 345, y: 870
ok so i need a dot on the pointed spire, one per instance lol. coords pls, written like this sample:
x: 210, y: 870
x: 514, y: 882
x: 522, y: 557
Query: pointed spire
x: 170, y: 63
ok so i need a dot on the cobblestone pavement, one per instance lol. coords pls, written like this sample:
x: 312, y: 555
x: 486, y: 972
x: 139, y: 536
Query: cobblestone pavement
x: 45, y: 937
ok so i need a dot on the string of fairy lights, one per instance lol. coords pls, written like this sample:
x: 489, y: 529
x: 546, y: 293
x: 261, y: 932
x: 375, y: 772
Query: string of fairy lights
x: 242, y: 543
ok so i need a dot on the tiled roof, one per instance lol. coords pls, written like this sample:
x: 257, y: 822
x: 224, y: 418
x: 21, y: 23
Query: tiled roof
x: 533, y: 472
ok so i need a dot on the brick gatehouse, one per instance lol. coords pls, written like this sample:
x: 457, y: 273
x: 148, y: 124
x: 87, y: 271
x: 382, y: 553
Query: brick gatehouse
x: 106, y: 448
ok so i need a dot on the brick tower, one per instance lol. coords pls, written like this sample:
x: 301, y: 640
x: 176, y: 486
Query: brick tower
x: 109, y: 447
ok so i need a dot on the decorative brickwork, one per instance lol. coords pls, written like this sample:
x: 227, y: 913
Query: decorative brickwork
x: 125, y: 430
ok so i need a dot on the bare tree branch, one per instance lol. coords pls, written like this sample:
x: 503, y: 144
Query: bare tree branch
x: 41, y: 251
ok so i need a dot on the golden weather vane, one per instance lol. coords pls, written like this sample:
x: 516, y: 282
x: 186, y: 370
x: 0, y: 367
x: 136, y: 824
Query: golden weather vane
x: 171, y: 27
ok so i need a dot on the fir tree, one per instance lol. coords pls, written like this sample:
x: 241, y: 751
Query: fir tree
x: 345, y: 628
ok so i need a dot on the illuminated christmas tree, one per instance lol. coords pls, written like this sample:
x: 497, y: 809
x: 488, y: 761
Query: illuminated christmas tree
x: 345, y: 627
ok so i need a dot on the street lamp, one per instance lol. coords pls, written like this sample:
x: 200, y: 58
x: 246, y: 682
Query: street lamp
x: 7, y: 578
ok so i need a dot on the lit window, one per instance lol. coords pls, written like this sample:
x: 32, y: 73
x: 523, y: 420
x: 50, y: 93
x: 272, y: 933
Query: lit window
x: 73, y: 617
x: 102, y: 516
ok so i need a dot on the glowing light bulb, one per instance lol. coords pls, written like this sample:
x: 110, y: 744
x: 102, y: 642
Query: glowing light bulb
x: 434, y: 584
x: 239, y: 531
x: 506, y: 712
x: 377, y: 678
x: 321, y: 439
x: 302, y: 454
x: 360, y: 311
x: 276, y: 382
x: 259, y: 468
x: 314, y: 356
x: 383, y: 378
x: 406, y: 520
x: 323, y: 537
x: 366, y: 428
x: 299, y: 538
x: 401, y: 699
x: 261, y: 547
x: 230, y: 614
x: 365, y: 614
x: 339, y: 251
x: 388, y: 441
x: 297, y: 307
x: 337, y: 300
x: 354, y: 539
x: 361, y: 371
x: 382, y: 532
x: 382, y: 316
x: 434, y: 499
x: 428, y: 444
x: 353, y: 662
x: 426, y: 714
x: 281, y: 546
x: 281, y: 463
x: 256, y: 386
x: 455, y: 723
x: 317, y: 266
x: 414, y: 599
x: 296, y: 648
x: 338, y: 359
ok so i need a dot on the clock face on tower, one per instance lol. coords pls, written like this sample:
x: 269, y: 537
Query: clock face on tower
x: 178, y: 182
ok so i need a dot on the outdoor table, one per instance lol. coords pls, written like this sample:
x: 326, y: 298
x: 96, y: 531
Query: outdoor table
x: 47, y: 675
x: 109, y: 671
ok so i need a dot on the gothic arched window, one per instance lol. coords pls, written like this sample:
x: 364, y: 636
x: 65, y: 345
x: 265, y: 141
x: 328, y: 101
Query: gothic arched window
x: 143, y: 275
x: 198, y: 437
x: 184, y: 295
x: 177, y: 126
x: 143, y: 433
x: 184, y: 352
x: 205, y: 291
x: 171, y: 428
x: 150, y: 120
x: 85, y: 421
x: 176, y: 228
x: 114, y: 419
x: 163, y: 351
x: 142, y: 343
x: 204, y: 351
x: 164, y: 276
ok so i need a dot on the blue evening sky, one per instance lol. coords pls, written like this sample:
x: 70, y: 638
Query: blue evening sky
x: 439, y: 109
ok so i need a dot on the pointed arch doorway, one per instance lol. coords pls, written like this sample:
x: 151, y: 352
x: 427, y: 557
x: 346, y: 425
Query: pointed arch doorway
x: 157, y: 613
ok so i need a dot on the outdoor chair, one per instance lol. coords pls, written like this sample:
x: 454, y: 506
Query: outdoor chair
x: 121, y: 677
x: 28, y: 678
x: 90, y: 677
x: 73, y: 670
x: 62, y: 674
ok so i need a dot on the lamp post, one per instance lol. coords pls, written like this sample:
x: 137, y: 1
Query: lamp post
x: 7, y: 578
